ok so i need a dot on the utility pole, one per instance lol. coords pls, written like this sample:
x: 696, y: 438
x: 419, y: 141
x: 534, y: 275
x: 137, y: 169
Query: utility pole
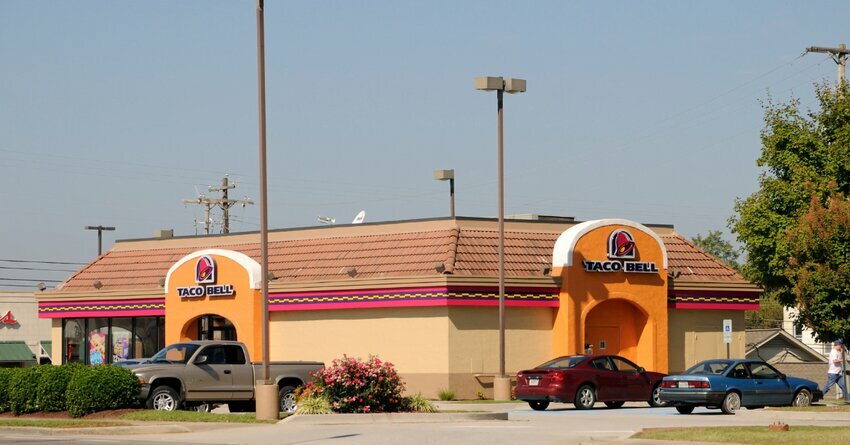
x: 225, y: 203
x: 100, y: 230
x: 839, y: 55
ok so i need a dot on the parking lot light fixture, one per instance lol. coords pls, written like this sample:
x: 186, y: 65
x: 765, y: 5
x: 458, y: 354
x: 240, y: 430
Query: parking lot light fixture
x: 502, y: 383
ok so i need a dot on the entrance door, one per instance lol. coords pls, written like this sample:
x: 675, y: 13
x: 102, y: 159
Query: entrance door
x: 213, y: 327
x: 604, y: 339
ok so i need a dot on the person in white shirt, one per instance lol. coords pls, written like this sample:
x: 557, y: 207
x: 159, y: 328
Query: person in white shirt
x: 833, y: 376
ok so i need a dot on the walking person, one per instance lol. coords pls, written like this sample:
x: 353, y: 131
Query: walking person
x: 834, y: 373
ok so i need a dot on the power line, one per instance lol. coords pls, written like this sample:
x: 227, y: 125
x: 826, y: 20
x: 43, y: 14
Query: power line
x: 36, y: 268
x: 44, y: 262
x: 17, y: 285
x: 225, y: 203
x: 24, y: 279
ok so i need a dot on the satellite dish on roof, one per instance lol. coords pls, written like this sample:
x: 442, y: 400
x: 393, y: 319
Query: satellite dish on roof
x: 359, y: 218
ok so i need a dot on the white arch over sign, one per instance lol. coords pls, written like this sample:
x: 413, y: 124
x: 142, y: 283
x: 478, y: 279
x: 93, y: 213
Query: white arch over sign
x: 253, y: 267
x: 565, y: 246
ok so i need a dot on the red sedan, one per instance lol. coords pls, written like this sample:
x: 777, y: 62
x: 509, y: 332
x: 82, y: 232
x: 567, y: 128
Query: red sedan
x: 587, y: 379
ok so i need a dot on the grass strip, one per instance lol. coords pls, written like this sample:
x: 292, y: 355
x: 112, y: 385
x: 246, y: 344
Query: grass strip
x: 815, y: 408
x: 755, y: 435
x: 192, y: 416
x: 59, y: 423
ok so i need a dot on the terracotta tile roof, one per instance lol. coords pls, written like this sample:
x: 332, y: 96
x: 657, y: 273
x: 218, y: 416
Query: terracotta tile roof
x: 470, y: 252
x: 693, y: 263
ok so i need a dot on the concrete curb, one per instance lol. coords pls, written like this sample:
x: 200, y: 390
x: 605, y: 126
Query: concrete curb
x: 351, y: 419
x: 96, y: 431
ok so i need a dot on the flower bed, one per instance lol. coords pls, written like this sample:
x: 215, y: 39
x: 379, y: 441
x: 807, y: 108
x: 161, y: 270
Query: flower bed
x: 352, y: 385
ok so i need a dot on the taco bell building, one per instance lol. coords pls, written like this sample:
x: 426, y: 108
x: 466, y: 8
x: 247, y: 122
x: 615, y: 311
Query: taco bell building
x: 422, y: 294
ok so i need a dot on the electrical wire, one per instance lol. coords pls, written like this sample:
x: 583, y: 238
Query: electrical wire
x: 44, y: 262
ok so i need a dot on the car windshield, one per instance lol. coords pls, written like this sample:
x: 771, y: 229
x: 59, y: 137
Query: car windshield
x: 176, y: 353
x: 709, y: 367
x: 564, y: 362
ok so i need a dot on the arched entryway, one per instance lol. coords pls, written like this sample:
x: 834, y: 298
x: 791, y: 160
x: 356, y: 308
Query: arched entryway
x: 616, y: 326
x: 210, y: 327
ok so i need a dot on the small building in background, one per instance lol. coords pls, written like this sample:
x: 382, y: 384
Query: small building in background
x: 24, y: 337
x: 786, y: 353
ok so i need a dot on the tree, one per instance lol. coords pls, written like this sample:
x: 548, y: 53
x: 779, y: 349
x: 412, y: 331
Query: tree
x: 819, y: 267
x: 714, y: 244
x: 769, y: 315
x: 806, y: 157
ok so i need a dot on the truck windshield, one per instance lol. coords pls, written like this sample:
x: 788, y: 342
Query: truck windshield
x: 176, y: 353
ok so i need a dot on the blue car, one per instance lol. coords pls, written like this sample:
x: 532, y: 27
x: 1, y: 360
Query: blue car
x: 731, y: 384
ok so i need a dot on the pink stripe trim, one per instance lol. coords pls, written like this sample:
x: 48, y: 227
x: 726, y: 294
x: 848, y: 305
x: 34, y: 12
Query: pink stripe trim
x: 720, y: 306
x: 406, y: 303
x: 711, y: 293
x: 99, y: 302
x: 124, y: 313
x: 413, y: 290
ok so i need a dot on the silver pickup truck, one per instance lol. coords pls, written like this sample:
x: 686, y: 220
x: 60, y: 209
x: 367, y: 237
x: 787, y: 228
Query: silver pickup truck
x: 193, y: 374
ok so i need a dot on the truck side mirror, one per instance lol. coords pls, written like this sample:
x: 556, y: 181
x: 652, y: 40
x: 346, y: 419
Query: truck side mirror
x: 201, y: 360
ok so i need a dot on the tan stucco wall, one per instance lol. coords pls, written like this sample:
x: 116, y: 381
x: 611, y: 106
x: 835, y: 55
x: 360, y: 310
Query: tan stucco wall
x: 415, y: 340
x: 696, y: 334
x: 432, y: 347
x: 474, y: 345
x: 56, y: 338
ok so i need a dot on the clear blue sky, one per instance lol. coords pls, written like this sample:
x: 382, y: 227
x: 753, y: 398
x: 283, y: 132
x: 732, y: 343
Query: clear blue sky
x: 113, y: 112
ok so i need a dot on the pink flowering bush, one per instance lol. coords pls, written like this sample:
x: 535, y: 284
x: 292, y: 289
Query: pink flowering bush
x: 352, y: 385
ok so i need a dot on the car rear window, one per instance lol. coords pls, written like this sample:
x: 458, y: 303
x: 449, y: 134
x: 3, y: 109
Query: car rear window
x: 564, y: 362
x: 711, y: 367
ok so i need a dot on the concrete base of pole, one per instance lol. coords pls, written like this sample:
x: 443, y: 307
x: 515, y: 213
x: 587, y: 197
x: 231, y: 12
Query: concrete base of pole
x: 502, y: 388
x: 267, y: 398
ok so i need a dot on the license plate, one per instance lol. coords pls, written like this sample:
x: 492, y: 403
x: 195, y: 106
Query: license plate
x: 683, y: 384
x: 533, y: 382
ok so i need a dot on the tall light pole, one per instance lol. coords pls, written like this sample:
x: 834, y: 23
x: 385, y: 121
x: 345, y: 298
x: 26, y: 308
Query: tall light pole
x: 267, y: 404
x: 502, y: 383
x: 100, y: 230
x: 448, y: 175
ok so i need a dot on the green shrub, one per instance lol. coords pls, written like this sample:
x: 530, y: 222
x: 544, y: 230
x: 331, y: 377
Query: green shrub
x: 53, y: 385
x: 446, y: 394
x: 419, y: 404
x: 314, y: 405
x: 100, y: 388
x: 23, y: 385
x: 5, y: 375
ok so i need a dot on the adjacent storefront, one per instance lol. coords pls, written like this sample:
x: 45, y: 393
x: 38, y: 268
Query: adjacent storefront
x: 422, y: 294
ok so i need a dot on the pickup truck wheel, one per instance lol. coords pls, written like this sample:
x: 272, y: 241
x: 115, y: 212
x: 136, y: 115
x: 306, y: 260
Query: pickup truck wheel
x: 287, y: 400
x: 164, y: 398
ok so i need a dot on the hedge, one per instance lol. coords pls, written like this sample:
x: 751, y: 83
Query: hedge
x: 100, y: 388
x: 23, y: 386
x: 78, y: 389
x: 5, y: 375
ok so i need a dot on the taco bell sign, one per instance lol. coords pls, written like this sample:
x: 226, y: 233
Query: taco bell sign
x: 205, y: 276
x: 621, y: 250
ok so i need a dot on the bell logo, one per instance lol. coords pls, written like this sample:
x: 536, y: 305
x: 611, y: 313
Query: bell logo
x: 8, y: 319
x: 621, y: 245
x: 205, y: 270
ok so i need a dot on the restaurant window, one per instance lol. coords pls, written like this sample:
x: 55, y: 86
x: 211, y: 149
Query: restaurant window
x: 95, y: 341
x: 98, y: 338
x: 146, y: 338
x: 121, y: 338
x: 73, y: 340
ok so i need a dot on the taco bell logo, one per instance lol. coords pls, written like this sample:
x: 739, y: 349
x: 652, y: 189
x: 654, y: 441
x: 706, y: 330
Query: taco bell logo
x: 621, y: 245
x: 205, y: 270
x: 205, y: 276
x: 621, y: 250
